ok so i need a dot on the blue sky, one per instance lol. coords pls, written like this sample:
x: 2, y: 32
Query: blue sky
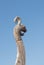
x: 32, y: 14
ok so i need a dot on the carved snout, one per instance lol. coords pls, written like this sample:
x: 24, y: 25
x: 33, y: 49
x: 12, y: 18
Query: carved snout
x: 24, y: 29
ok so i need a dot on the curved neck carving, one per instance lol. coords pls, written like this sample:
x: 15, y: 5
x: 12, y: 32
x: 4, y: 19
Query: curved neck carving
x: 19, y: 31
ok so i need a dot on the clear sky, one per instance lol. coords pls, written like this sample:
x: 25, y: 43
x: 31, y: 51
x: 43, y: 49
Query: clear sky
x: 32, y: 14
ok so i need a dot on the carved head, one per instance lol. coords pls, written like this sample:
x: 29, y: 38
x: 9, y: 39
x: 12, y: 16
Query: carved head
x: 20, y: 28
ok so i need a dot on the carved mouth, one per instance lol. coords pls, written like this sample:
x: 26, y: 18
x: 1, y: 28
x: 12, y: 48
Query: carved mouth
x: 22, y: 33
